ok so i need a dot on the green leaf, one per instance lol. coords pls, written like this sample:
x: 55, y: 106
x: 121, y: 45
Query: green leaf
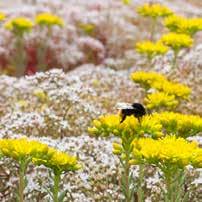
x: 62, y: 196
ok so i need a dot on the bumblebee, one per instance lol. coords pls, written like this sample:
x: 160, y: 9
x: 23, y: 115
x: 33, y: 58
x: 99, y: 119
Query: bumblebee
x: 136, y: 109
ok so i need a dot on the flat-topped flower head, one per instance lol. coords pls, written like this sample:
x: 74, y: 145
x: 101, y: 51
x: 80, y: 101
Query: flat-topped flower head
x: 183, y: 125
x: 147, y: 78
x: 22, y: 148
x: 48, y: 19
x: 19, y: 25
x: 2, y: 16
x: 58, y: 161
x: 153, y: 80
x: 167, y: 152
x: 183, y: 25
x: 154, y: 10
x: 111, y: 125
x: 151, y: 49
x: 172, y: 88
x: 160, y: 100
x: 177, y: 41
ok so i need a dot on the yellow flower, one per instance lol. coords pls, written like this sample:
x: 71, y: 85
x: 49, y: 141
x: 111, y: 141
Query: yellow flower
x: 58, y: 161
x: 184, y: 25
x: 2, y: 16
x: 22, y: 148
x: 19, y: 25
x: 160, y: 100
x: 154, y: 10
x: 159, y: 82
x: 151, y: 49
x: 41, y: 95
x: 147, y: 78
x: 87, y: 28
x: 181, y: 124
x: 130, y: 127
x: 126, y: 2
x: 22, y: 103
x: 177, y: 41
x: 167, y: 152
x: 48, y: 19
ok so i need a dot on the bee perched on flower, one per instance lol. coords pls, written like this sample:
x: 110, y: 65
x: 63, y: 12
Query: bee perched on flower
x: 179, y: 24
x: 19, y: 25
x: 48, y: 19
x: 151, y: 49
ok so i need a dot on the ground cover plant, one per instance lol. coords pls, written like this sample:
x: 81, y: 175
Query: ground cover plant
x: 66, y: 67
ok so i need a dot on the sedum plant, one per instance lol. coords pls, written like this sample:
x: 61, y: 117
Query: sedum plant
x: 46, y: 21
x: 19, y: 27
x: 165, y: 94
x: 2, y: 16
x: 160, y: 101
x: 182, y: 125
x: 126, y: 131
x: 22, y: 151
x: 154, y: 12
x: 151, y: 49
x: 176, y: 42
x: 171, y: 155
x: 59, y: 163
x: 180, y: 24
x: 26, y: 151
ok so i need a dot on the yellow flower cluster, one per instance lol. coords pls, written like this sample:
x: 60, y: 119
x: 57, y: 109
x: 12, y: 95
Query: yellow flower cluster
x: 41, y: 95
x: 58, y: 161
x: 38, y: 153
x: 159, y: 82
x: 151, y: 49
x: 180, y: 124
x: 167, y: 152
x: 19, y: 25
x: 22, y: 148
x: 184, y: 25
x: 2, y: 16
x: 48, y: 19
x: 160, y: 100
x: 87, y: 28
x: 177, y: 41
x: 130, y: 127
x: 154, y: 10
x: 147, y: 79
x: 126, y: 2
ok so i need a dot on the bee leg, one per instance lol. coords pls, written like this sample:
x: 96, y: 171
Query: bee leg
x: 123, y: 117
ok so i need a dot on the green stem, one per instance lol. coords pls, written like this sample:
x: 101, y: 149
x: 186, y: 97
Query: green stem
x: 22, y: 170
x: 56, y: 186
x: 141, y: 180
x: 153, y: 29
x: 174, y: 62
x: 126, y: 174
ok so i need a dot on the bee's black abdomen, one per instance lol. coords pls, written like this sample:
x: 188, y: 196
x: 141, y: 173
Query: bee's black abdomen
x: 139, y: 110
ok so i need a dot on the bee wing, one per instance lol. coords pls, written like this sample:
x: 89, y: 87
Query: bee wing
x: 123, y: 105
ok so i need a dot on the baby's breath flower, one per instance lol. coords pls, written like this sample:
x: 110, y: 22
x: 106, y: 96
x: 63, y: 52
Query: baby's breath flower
x: 151, y: 49
x: 180, y: 124
x: 154, y: 10
x: 160, y: 100
x: 2, y: 16
x: 183, y: 25
x: 48, y: 19
x: 169, y: 151
x: 19, y: 25
x: 177, y: 41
